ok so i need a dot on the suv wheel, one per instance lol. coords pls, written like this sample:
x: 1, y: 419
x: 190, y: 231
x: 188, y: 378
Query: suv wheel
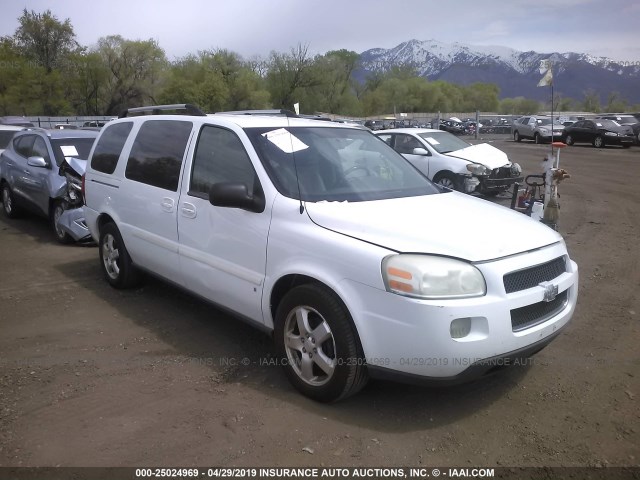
x: 56, y: 212
x: 318, y: 345
x: 115, y: 260
x: 537, y: 139
x: 516, y: 136
x: 10, y: 208
x: 569, y: 140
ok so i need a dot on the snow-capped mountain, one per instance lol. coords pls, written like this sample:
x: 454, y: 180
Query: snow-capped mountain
x: 515, y: 72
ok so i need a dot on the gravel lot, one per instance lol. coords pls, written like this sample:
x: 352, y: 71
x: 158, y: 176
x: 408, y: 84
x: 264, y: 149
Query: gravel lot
x: 91, y: 376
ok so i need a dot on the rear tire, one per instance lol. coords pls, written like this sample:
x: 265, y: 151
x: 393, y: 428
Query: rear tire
x: 9, y: 206
x: 318, y: 345
x: 116, y: 264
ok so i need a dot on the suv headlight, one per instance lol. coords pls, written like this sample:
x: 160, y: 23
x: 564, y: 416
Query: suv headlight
x: 516, y: 169
x: 431, y: 277
x: 544, y: 131
x: 478, y: 169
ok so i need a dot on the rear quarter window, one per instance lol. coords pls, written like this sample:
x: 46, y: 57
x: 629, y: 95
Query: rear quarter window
x: 107, y: 151
x: 157, y: 152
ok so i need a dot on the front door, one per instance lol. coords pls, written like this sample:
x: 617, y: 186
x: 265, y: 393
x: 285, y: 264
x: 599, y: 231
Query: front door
x: 223, y: 250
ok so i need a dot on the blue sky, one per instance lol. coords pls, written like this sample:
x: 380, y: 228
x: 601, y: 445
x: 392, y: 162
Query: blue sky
x: 255, y: 27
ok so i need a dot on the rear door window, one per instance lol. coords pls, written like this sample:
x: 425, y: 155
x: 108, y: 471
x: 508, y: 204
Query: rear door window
x: 157, y: 153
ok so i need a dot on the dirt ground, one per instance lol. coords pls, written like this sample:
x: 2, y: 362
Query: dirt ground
x: 91, y: 376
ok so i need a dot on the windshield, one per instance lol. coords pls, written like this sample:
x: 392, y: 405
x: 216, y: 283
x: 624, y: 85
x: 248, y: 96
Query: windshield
x: 335, y: 164
x: 444, y: 142
x: 71, y: 147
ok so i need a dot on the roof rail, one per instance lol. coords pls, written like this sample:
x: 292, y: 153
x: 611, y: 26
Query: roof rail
x: 181, y: 108
x: 283, y: 112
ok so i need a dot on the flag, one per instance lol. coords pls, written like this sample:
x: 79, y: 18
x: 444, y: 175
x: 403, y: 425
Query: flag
x: 546, y: 80
x: 545, y: 68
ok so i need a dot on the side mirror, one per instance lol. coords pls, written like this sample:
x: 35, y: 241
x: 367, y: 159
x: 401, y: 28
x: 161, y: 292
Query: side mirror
x: 235, y: 195
x: 421, y: 151
x: 37, y: 162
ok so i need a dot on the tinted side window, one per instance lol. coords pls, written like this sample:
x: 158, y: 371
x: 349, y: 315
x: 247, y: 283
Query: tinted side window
x: 156, y: 155
x: 23, y: 145
x: 386, y: 138
x: 5, y: 138
x: 220, y: 157
x: 40, y: 149
x: 105, y: 156
x: 406, y: 144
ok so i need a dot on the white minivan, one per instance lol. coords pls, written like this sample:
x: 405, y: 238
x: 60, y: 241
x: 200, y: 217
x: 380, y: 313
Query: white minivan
x: 324, y: 236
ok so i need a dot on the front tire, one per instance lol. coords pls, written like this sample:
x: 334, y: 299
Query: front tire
x: 56, y: 212
x: 316, y: 340
x: 9, y: 206
x: 516, y: 136
x: 598, y: 142
x: 569, y: 140
x: 447, y: 180
x: 537, y: 139
x: 116, y: 264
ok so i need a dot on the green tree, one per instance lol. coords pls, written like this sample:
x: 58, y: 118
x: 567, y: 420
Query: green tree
x: 134, y: 70
x: 41, y: 37
x: 288, y: 74
x: 615, y: 103
x: 591, y: 102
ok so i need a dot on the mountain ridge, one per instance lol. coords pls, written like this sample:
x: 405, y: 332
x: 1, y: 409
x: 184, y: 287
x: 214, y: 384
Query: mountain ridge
x: 515, y: 72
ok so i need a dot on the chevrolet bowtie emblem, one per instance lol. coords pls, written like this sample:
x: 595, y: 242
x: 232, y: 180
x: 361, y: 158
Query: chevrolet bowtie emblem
x: 550, y: 291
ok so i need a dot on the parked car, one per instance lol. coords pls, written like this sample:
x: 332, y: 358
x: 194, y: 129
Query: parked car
x: 536, y: 128
x: 6, y: 134
x: 620, y: 119
x: 325, y: 237
x: 599, y: 133
x: 453, y: 163
x: 632, y: 120
x: 30, y: 177
x: 374, y: 124
x: 17, y: 121
x: 65, y: 126
x: 452, y: 126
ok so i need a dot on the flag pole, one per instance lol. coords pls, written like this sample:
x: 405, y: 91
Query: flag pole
x: 552, y: 118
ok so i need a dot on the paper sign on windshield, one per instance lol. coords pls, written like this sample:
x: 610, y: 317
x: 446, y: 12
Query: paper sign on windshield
x: 432, y: 141
x: 69, y: 150
x: 286, y: 142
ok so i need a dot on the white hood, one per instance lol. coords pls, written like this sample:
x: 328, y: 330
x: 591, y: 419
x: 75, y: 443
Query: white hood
x: 451, y: 224
x: 483, y: 153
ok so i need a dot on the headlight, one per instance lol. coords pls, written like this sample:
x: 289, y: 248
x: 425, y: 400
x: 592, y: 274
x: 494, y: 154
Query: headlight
x: 431, y: 277
x: 478, y: 169
x: 544, y: 130
x: 611, y: 134
x: 516, y: 169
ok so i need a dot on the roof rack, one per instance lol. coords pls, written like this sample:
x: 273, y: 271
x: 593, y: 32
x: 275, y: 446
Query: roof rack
x: 180, y: 108
x: 283, y: 112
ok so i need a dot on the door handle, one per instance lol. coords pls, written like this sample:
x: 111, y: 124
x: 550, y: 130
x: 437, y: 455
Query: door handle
x: 189, y: 210
x: 167, y: 204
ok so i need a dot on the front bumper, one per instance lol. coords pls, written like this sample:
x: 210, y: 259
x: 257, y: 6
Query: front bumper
x: 73, y: 223
x: 413, y: 338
